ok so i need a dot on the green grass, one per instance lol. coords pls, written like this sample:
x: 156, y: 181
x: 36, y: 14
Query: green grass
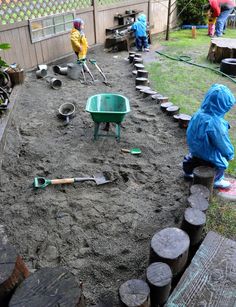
x: 221, y: 218
x: 185, y: 84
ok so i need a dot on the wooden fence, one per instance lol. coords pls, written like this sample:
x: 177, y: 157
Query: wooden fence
x: 96, y: 17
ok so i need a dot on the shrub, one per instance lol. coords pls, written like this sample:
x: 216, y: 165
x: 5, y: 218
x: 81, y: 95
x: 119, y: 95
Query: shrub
x: 192, y: 13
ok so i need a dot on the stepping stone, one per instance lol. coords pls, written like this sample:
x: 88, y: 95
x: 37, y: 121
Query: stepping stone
x: 166, y: 105
x: 172, y: 110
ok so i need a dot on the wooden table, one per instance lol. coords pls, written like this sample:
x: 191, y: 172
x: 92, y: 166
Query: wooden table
x: 210, y: 279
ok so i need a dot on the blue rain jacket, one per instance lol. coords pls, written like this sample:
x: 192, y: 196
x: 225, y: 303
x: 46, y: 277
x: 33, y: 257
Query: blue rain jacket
x: 140, y: 26
x: 207, y: 133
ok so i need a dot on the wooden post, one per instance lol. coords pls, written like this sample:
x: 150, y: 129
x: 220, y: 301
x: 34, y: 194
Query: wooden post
x: 95, y: 20
x: 141, y: 81
x: 193, y: 223
x: 170, y: 245
x: 13, y: 271
x: 200, y: 189
x: 135, y: 293
x: 159, y: 277
x: 168, y: 20
x: 165, y: 105
x: 204, y: 175
x: 142, y: 73
x: 49, y: 287
x: 137, y: 60
x: 198, y: 201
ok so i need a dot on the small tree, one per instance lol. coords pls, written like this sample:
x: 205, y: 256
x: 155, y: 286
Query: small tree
x: 191, y: 12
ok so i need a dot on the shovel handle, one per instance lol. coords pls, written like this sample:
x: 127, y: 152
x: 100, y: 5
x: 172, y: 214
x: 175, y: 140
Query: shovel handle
x: 81, y: 179
x: 125, y: 150
x: 61, y: 181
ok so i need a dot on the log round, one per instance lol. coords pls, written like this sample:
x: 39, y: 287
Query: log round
x: 170, y: 245
x: 135, y: 293
x: 193, y: 223
x: 49, y: 287
x: 198, y: 201
x: 204, y: 175
x: 141, y: 81
x: 142, y: 73
x: 200, y: 190
x: 13, y: 271
x: 222, y: 48
x: 159, y: 277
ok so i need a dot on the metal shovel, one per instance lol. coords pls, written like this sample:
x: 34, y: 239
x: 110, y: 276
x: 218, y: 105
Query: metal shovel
x: 133, y: 151
x: 94, y: 62
x: 41, y: 182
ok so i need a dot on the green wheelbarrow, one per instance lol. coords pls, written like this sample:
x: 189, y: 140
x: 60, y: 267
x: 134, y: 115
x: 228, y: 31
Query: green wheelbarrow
x: 107, y: 108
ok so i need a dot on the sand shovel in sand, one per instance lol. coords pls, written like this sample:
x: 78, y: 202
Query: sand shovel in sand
x: 133, y: 151
x: 41, y: 182
x: 94, y: 62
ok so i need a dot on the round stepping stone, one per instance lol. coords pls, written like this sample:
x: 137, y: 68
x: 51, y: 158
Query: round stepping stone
x: 229, y: 194
x: 141, y: 87
x: 193, y: 222
x: 159, y: 277
x: 137, y: 61
x: 198, y: 201
x: 200, y: 189
x: 131, y: 58
x: 141, y: 81
x: 172, y: 110
x: 134, y: 293
x: 184, y: 120
x: 142, y: 73
x: 139, y: 66
x: 147, y: 92
x: 170, y: 245
x: 166, y: 105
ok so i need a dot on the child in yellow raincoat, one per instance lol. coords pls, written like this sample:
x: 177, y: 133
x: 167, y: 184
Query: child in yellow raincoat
x: 78, y: 40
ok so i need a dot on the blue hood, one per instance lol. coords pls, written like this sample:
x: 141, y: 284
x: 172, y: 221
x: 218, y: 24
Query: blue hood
x: 207, y: 133
x: 218, y: 100
x: 142, y: 18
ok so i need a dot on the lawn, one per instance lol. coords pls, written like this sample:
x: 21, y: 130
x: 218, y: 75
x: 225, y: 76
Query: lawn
x: 185, y: 85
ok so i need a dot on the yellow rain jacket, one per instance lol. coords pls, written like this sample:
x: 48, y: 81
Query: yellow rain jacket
x: 79, y: 43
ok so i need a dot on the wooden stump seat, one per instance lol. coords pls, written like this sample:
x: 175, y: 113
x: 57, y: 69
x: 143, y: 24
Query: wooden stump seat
x: 221, y: 48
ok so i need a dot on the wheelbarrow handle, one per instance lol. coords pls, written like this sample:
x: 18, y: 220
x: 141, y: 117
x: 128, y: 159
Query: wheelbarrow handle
x: 61, y: 181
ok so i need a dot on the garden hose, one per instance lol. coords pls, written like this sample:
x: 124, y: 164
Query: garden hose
x: 188, y: 59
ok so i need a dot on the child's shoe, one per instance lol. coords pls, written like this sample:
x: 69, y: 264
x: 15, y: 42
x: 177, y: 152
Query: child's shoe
x: 222, y: 184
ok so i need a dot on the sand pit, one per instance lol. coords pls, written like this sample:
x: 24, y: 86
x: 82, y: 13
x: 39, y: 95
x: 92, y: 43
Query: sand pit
x: 100, y: 233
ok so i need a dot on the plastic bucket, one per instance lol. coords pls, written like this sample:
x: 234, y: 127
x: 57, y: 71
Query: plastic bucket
x: 73, y: 71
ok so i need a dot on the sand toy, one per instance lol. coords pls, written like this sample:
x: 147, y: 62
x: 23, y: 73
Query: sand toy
x: 107, y: 108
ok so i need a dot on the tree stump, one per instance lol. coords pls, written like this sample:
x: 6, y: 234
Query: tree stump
x: 13, y: 271
x: 172, y: 110
x: 142, y: 73
x: 141, y: 81
x: 135, y: 293
x: 198, y: 201
x: 184, y: 120
x: 131, y: 58
x: 137, y: 60
x: 165, y: 105
x: 170, y: 246
x: 159, y: 277
x: 147, y: 92
x: 200, y: 190
x: 163, y: 99
x: 204, y: 175
x: 49, y: 287
x: 141, y: 87
x: 221, y: 48
x: 138, y: 66
x: 193, y: 223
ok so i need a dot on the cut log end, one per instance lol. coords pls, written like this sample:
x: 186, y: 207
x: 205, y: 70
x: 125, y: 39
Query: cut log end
x: 135, y: 293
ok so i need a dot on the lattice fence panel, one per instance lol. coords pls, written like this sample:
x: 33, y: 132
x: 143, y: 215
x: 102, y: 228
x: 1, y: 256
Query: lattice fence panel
x: 17, y: 10
x: 108, y: 2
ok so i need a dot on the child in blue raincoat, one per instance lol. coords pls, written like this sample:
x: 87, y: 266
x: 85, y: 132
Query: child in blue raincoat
x: 140, y: 31
x: 207, y: 135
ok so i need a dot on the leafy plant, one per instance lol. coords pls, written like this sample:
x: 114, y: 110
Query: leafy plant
x: 3, y: 46
x: 191, y: 12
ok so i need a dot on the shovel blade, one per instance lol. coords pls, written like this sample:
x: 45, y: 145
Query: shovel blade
x: 101, y: 178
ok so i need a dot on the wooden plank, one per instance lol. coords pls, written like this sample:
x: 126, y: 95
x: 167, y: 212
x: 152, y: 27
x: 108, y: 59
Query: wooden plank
x: 32, y: 53
x: 13, y: 26
x: 24, y: 48
x: 38, y: 52
x: 210, y: 278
